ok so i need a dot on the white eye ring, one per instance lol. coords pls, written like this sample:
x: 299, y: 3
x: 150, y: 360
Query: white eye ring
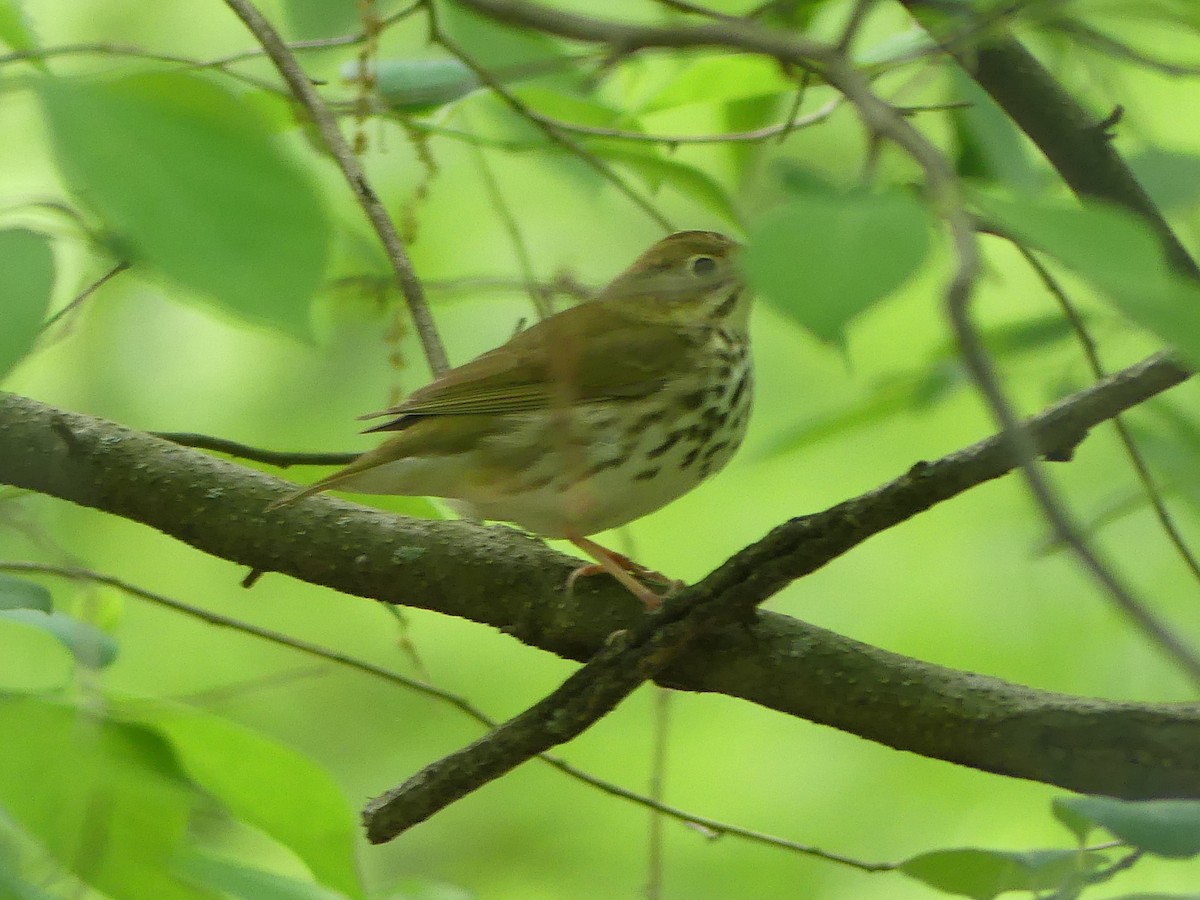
x: 702, y: 265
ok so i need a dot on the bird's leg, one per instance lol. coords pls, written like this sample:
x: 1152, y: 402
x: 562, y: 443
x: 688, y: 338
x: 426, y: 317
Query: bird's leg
x: 622, y: 568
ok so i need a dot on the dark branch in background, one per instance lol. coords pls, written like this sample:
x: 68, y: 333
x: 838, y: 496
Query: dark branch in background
x: 1062, y: 129
x: 500, y: 577
x: 326, y: 124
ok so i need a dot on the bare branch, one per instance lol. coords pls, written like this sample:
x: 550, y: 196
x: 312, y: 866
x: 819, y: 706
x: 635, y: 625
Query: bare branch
x: 326, y: 125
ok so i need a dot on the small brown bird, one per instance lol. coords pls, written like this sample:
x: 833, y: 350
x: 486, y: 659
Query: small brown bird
x: 589, y: 419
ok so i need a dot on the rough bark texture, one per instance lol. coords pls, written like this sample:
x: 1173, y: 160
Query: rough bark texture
x: 495, y: 575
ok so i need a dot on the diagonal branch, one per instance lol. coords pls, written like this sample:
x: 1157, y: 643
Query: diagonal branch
x: 307, y: 96
x: 497, y: 576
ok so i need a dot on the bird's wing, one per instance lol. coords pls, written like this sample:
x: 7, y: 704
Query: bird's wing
x: 569, y: 358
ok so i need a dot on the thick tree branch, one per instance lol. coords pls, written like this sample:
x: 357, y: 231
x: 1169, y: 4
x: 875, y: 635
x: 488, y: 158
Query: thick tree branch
x: 497, y: 576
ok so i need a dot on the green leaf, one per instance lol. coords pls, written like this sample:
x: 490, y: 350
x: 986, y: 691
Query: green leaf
x: 1079, y: 825
x: 205, y: 870
x: 312, y: 19
x: 424, y: 889
x: 825, y: 258
x: 990, y: 145
x: 90, y: 646
x: 14, y: 26
x: 889, y: 397
x: 104, y: 798
x: 1169, y: 828
x: 193, y: 184
x: 899, y: 45
x: 265, y: 784
x: 1118, y: 254
x: 493, y: 45
x: 656, y: 169
x: 26, y: 280
x: 419, y: 85
x: 17, y: 593
x: 716, y: 79
x: 1171, y: 179
x: 983, y: 874
x: 19, y: 855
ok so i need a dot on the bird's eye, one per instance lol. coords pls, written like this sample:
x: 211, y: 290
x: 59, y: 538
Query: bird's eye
x: 702, y: 265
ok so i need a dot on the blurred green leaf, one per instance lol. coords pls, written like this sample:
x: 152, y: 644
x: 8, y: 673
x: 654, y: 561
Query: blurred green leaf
x: 236, y: 880
x: 939, y: 376
x: 492, y: 45
x: 424, y: 889
x: 989, y: 144
x: 90, y: 646
x: 658, y: 170
x: 1169, y: 828
x: 315, y: 19
x: 889, y: 397
x: 18, y: 880
x: 15, y: 29
x: 17, y: 593
x: 983, y: 874
x: 415, y: 85
x: 104, y: 798
x: 26, y: 280
x: 1171, y: 179
x: 825, y: 258
x: 196, y: 187
x: 721, y: 78
x: 1116, y: 253
x: 1077, y: 823
x: 898, y: 46
x: 263, y: 783
x: 571, y: 108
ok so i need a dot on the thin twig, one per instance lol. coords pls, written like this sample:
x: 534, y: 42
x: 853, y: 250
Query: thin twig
x: 712, y: 827
x: 1092, y: 354
x: 83, y: 295
x: 1112, y: 47
x: 520, y: 108
x: 858, y: 14
x: 302, y: 89
x: 280, y: 458
x: 345, y: 40
x: 104, y: 48
x: 693, y: 9
x: 537, y: 295
x: 758, y: 134
x: 658, y: 780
